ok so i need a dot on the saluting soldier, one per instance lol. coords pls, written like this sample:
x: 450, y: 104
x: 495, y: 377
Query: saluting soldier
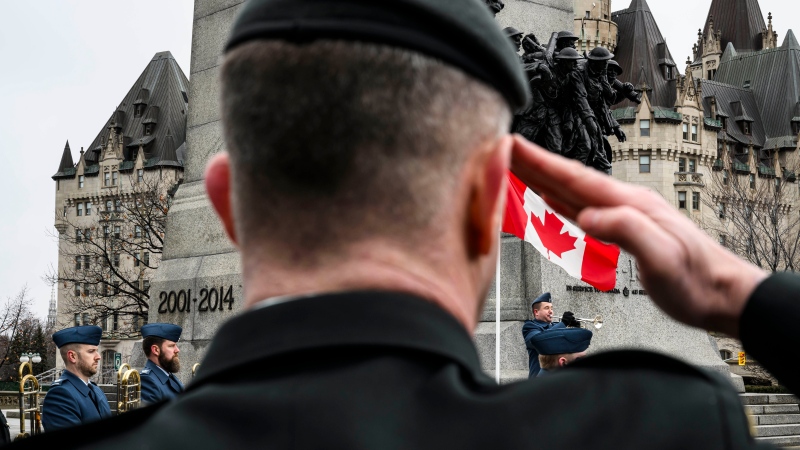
x: 560, y: 348
x: 542, y: 310
x: 160, y: 345
x: 73, y: 399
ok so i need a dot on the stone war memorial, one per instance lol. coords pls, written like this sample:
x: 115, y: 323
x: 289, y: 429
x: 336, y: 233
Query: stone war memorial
x: 198, y: 285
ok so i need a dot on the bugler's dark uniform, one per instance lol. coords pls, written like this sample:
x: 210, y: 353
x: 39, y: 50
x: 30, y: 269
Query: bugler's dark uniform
x: 157, y: 385
x: 71, y: 402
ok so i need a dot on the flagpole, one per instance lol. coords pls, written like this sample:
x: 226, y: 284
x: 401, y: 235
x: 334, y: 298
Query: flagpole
x: 497, y: 310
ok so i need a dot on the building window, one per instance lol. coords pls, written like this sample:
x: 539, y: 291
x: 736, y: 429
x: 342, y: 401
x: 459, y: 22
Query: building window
x: 88, y: 208
x: 686, y: 132
x: 747, y: 84
x: 136, y: 260
x: 65, y: 212
x: 693, y: 165
x: 795, y: 128
x: 682, y: 200
x: 644, y: 164
x: 752, y: 181
x: 86, y: 260
x: 109, y: 205
x: 106, y: 230
x: 80, y: 209
x: 78, y: 262
x: 725, y: 355
x: 107, y: 179
x: 725, y: 177
x: 115, y: 177
x: 117, y: 205
x: 138, y: 232
x: 77, y: 318
x: 723, y: 240
x: 588, y: 15
x: 87, y: 234
x: 668, y: 72
x: 85, y: 319
x: 777, y: 183
x: 140, y: 175
x: 746, y: 128
x: 117, y: 232
x: 694, y: 133
x: 78, y: 235
x: 681, y: 164
x: 146, y: 258
x: 115, y: 324
x: 116, y: 259
x: 644, y: 128
x: 81, y: 179
x: 146, y: 286
x: 116, y: 287
x: 696, y: 201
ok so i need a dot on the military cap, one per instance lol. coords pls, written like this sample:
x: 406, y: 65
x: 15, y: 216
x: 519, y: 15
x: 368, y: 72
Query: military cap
x: 511, y: 31
x: 566, y: 35
x: 542, y: 298
x: 600, y: 54
x: 88, y: 334
x: 461, y: 33
x: 166, y: 331
x: 613, y: 65
x: 569, y: 53
x: 561, y: 341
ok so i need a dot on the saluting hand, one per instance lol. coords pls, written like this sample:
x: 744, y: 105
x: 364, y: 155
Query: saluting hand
x: 688, y: 275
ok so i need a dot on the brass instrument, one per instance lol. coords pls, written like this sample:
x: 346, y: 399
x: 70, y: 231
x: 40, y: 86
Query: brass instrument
x: 29, y: 390
x: 129, y: 389
x: 597, y: 321
x: 194, y: 368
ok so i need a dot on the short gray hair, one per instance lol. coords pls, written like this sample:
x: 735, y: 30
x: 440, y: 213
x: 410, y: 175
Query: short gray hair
x: 334, y: 141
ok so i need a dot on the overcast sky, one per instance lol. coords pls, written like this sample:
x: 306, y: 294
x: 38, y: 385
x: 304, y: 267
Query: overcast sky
x: 66, y: 64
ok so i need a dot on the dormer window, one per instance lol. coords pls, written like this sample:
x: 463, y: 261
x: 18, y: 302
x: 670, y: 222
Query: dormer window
x: 138, y: 110
x: 724, y: 121
x: 795, y: 127
x: 148, y: 128
x: 668, y: 72
x: 746, y: 129
x: 747, y: 84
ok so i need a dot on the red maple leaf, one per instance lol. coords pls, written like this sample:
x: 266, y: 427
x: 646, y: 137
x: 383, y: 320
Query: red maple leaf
x: 550, y: 234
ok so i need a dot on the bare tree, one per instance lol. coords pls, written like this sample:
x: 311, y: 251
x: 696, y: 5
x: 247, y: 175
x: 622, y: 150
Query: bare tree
x: 756, y: 214
x: 15, y: 314
x: 107, y: 261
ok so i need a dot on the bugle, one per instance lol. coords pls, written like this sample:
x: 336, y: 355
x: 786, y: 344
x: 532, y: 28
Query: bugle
x: 597, y: 321
x: 129, y: 389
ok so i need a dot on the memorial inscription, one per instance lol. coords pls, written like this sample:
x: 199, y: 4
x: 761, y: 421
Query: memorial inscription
x: 208, y: 300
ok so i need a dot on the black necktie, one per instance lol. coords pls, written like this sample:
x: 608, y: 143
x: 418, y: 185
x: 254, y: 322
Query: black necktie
x: 93, y: 397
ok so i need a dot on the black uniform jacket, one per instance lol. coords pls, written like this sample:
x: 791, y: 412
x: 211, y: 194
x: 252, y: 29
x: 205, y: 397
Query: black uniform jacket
x: 369, y: 370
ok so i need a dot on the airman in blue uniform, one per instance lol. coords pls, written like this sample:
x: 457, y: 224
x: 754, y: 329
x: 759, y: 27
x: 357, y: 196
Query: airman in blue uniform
x: 73, y: 399
x: 160, y: 345
x: 542, y: 309
x: 561, y: 347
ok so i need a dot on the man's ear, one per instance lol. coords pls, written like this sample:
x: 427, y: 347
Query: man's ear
x: 488, y: 197
x: 218, y: 187
x: 155, y: 350
x: 562, y: 361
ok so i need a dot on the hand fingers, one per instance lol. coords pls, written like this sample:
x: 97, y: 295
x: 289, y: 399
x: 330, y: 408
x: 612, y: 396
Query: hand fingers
x: 655, y: 249
x: 571, y: 183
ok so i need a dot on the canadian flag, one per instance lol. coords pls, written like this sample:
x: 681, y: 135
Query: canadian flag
x: 529, y: 218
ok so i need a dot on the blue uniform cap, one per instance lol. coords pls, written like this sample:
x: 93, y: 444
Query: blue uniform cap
x: 89, y: 334
x: 562, y: 341
x: 542, y: 298
x: 166, y: 331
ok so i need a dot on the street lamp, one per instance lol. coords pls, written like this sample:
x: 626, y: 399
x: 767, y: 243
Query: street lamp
x: 32, y: 357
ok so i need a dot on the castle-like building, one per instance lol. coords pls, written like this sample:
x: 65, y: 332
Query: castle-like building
x: 107, y: 250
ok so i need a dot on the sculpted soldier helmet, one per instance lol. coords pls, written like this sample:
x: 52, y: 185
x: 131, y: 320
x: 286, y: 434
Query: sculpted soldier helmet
x: 600, y: 54
x: 568, y: 54
x: 567, y: 35
x: 615, y: 67
x: 511, y: 32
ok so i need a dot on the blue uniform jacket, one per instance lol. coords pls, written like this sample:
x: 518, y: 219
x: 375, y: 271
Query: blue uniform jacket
x: 157, y: 385
x: 530, y: 329
x: 69, y: 404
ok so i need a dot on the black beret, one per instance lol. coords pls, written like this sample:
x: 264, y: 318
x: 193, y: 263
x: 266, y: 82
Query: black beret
x: 461, y: 33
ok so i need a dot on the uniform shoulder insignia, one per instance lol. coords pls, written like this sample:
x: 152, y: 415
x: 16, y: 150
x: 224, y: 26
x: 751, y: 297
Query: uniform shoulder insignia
x: 56, y: 383
x: 145, y: 371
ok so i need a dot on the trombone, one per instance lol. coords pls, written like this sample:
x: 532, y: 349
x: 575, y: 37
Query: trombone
x: 597, y: 321
x: 129, y: 389
x: 29, y: 390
